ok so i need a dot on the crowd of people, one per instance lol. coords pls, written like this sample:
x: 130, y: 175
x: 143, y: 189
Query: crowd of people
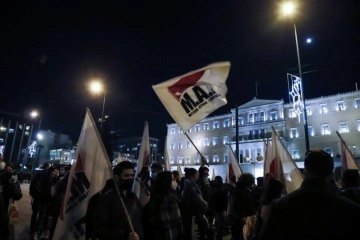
x: 193, y: 207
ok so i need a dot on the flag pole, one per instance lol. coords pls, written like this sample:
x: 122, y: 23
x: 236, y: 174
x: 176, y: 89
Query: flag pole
x: 203, y: 159
x: 131, y: 226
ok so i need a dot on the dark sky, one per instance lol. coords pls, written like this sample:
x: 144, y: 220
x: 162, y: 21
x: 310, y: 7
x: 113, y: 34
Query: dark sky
x: 48, y: 52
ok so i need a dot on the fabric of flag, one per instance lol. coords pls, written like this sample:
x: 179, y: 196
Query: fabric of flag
x: 179, y: 171
x: 347, y: 158
x: 141, y: 183
x: 269, y: 155
x: 166, y: 157
x: 88, y: 175
x: 234, y: 167
x: 119, y: 158
x: 193, y: 96
x: 283, y: 167
x: 213, y: 175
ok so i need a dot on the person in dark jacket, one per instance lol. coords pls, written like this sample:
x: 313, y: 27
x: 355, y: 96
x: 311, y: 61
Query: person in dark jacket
x: 105, y: 216
x: 351, y: 185
x: 4, y: 219
x: 220, y: 201
x: 313, y: 211
x: 192, y: 202
x: 162, y: 219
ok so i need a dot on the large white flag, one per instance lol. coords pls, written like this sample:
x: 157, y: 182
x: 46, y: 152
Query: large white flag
x: 283, y: 167
x: 166, y: 157
x: 234, y: 167
x: 347, y: 158
x: 179, y: 171
x: 193, y: 96
x: 141, y: 183
x: 88, y: 176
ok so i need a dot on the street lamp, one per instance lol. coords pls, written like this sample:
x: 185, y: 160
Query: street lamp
x: 35, y: 114
x: 97, y: 87
x: 288, y: 9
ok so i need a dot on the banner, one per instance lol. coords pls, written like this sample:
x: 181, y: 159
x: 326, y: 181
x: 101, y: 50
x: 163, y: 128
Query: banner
x: 88, y: 175
x: 347, y: 158
x: 234, y: 167
x: 193, y: 96
x: 141, y: 185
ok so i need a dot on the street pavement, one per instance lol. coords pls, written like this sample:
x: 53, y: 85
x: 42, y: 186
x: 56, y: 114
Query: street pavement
x: 24, y: 204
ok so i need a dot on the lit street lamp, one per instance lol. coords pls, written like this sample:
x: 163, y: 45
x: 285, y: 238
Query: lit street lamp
x: 97, y: 87
x: 288, y: 9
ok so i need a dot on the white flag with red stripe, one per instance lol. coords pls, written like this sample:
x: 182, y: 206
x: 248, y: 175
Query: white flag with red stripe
x: 142, y: 179
x: 88, y: 175
x: 193, y: 96
x: 166, y: 157
x: 234, y: 167
x: 282, y: 166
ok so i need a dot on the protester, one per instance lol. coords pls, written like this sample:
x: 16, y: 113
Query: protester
x: 192, y: 202
x: 220, y: 202
x: 351, y: 185
x: 105, y: 216
x: 162, y: 219
x: 314, y: 211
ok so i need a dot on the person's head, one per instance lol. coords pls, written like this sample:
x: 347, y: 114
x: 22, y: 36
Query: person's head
x: 318, y: 164
x: 162, y: 183
x: 2, y: 163
x: 124, y: 173
x: 351, y: 178
x: 191, y: 174
x: 46, y: 166
x: 62, y: 170
x: 203, y: 173
x: 175, y: 175
x: 246, y: 180
x: 54, y: 172
x: 260, y: 181
x: 272, y: 191
x: 9, y: 168
x: 155, y: 169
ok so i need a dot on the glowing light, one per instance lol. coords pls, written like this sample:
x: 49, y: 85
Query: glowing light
x: 308, y: 40
x: 39, y: 136
x: 34, y: 114
x: 96, y: 87
x: 288, y: 8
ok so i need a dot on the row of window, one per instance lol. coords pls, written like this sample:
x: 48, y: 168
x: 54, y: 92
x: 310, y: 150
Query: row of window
x: 206, y: 126
x: 199, y: 142
x: 340, y: 106
x: 196, y: 159
x: 296, y: 155
x: 325, y: 129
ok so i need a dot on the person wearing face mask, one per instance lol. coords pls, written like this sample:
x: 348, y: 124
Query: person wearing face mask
x: 105, y: 217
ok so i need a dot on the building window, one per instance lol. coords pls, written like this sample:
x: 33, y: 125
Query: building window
x: 273, y: 116
x: 206, y: 142
x: 172, y: 160
x: 308, y: 111
x: 241, y: 121
x: 172, y: 131
x: 250, y: 118
x: 180, y: 145
x: 294, y: 133
x: 295, y: 154
x: 206, y: 126
x: 198, y: 142
x: 216, y: 158
x: 189, y: 130
x: 325, y: 129
x: 207, y: 158
x: 225, y: 140
x: 215, y: 141
x: 216, y: 125
x: 187, y: 160
x: 172, y: 145
x: 256, y: 117
x: 343, y: 127
x: 262, y: 133
x: 180, y: 160
x: 197, y: 127
x: 358, y: 125
x: 262, y: 116
x: 292, y: 113
x: 329, y: 151
x: 311, y: 131
x: 323, y: 108
x: 187, y: 144
x: 357, y: 103
x: 226, y: 158
x: 197, y: 159
x: 226, y: 123
x: 340, y: 106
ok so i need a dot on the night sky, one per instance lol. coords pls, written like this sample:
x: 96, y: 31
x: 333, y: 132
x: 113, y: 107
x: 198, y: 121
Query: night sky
x: 49, y: 51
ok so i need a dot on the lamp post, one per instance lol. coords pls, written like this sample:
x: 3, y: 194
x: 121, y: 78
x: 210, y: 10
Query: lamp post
x: 97, y: 87
x: 288, y: 9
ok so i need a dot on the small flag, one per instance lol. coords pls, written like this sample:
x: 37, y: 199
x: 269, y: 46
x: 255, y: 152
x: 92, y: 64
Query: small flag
x: 179, y: 171
x: 213, y: 175
x: 234, y: 167
x: 347, y: 158
x: 193, y: 96
x: 88, y: 176
x: 141, y: 183
x: 166, y: 157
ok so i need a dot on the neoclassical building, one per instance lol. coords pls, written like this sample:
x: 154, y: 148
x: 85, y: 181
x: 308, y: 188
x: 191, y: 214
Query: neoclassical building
x: 213, y: 136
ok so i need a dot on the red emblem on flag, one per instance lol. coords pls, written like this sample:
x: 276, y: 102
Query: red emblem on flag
x: 184, y: 83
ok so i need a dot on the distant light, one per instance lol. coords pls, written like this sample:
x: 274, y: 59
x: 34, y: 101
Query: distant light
x: 288, y: 8
x: 39, y: 136
x: 34, y: 114
x: 308, y: 40
x: 96, y: 87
